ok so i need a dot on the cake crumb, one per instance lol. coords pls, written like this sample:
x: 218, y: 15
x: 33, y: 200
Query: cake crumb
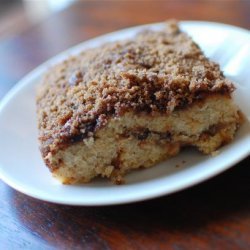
x: 215, y: 153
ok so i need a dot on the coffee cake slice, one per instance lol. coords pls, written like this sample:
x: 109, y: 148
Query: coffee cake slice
x: 132, y: 104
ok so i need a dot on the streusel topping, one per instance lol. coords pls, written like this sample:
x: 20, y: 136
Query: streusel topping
x: 157, y: 71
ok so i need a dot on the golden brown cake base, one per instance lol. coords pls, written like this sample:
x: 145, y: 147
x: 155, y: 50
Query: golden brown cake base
x: 133, y: 141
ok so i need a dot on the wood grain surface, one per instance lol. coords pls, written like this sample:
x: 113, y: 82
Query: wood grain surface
x: 212, y: 215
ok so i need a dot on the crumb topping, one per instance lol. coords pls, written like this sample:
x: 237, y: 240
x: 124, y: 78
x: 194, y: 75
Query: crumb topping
x: 156, y: 71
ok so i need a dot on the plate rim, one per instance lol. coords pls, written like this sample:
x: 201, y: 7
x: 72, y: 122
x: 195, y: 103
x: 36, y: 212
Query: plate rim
x: 38, y: 71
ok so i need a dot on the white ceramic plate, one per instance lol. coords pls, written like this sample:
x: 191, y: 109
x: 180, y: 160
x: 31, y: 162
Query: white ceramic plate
x: 21, y: 165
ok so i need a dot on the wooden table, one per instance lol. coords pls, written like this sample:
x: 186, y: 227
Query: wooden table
x: 212, y: 215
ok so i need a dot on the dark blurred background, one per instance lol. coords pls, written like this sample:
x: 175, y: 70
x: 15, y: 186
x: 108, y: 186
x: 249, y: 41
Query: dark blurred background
x: 16, y: 18
x: 17, y: 15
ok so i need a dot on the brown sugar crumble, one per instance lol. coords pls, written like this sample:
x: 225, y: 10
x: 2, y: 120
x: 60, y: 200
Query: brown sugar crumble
x: 156, y: 71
